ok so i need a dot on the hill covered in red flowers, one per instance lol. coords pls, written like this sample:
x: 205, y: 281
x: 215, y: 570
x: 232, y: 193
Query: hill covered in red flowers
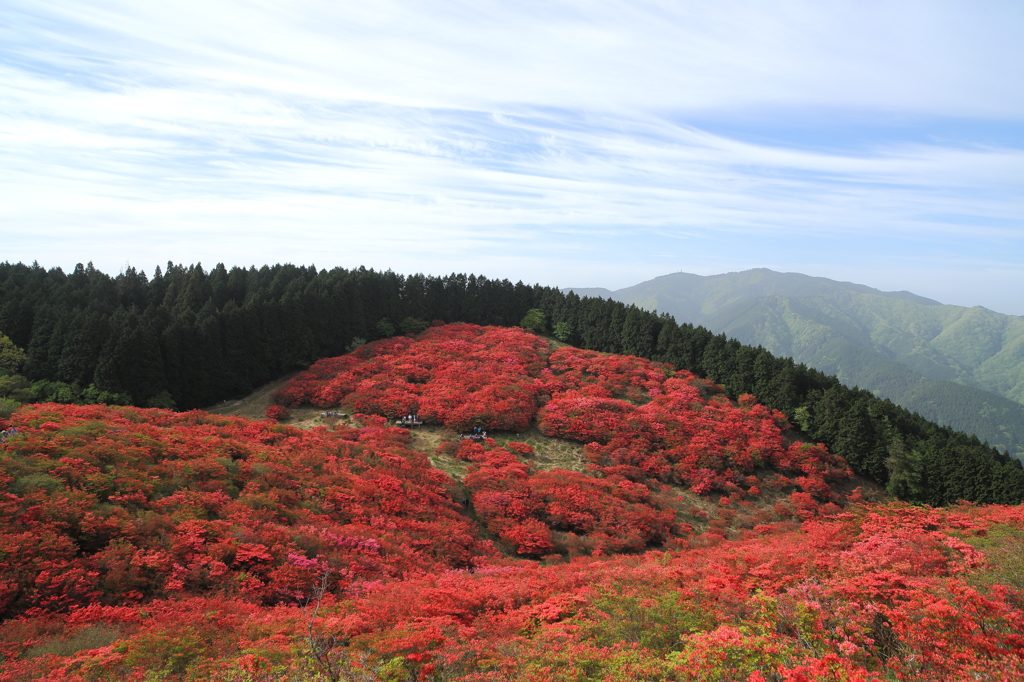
x: 699, y: 539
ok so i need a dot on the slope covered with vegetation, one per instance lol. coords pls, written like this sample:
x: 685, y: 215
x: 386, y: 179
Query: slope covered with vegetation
x: 963, y: 367
x: 701, y: 540
x: 191, y: 338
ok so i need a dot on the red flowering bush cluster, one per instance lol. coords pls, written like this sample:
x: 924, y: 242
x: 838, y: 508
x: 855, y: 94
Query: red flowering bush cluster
x: 277, y: 413
x: 641, y: 420
x: 888, y: 593
x: 146, y: 544
x: 560, y: 511
x: 122, y: 505
x: 458, y: 375
x: 669, y: 431
x: 881, y: 594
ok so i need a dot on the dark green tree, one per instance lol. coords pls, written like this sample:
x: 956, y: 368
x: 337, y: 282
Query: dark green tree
x: 638, y: 333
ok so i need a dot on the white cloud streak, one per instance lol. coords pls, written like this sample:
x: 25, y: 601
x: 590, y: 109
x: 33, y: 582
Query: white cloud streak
x: 447, y: 135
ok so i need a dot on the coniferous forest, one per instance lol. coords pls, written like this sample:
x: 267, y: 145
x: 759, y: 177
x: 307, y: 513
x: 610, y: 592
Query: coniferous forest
x: 189, y: 338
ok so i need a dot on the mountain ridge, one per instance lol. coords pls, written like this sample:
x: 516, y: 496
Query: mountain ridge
x: 961, y: 366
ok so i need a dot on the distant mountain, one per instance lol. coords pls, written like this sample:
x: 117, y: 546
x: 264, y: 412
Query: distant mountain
x: 594, y: 292
x: 963, y: 367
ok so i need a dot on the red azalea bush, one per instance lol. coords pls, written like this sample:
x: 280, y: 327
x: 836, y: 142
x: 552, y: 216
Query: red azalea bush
x: 540, y: 512
x: 642, y: 420
x: 889, y: 593
x: 458, y: 375
x: 137, y: 544
x: 277, y: 413
x: 120, y: 505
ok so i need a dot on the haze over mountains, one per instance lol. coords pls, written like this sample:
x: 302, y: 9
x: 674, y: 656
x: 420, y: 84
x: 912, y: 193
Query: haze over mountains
x: 963, y: 367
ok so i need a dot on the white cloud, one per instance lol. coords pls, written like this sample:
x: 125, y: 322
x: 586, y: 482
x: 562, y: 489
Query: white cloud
x: 606, y: 55
x: 536, y: 136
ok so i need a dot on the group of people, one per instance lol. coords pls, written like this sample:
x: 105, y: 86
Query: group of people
x: 476, y: 433
x: 332, y: 414
x: 5, y: 434
x: 410, y: 420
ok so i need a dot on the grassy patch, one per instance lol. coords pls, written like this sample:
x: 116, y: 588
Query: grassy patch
x: 549, y: 453
x: 455, y: 468
x: 426, y: 438
x: 86, y: 639
x: 1003, y: 546
x: 254, y: 405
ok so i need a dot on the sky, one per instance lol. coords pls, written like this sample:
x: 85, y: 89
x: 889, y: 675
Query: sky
x: 587, y: 144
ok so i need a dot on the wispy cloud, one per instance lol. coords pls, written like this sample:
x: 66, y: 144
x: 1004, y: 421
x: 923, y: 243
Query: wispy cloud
x: 534, y: 140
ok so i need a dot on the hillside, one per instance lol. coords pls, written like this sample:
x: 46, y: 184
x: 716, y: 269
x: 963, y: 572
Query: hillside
x: 191, y: 338
x: 621, y: 520
x: 958, y: 366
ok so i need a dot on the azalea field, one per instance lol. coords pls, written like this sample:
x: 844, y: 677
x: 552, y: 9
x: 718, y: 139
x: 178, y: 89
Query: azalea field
x: 699, y: 538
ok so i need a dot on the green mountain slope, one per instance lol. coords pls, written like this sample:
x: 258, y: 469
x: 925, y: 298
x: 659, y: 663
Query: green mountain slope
x: 963, y: 367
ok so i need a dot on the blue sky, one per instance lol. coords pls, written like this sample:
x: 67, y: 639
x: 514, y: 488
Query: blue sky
x: 567, y: 143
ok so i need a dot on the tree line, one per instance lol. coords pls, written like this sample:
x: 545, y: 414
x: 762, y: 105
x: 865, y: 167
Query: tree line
x: 188, y: 338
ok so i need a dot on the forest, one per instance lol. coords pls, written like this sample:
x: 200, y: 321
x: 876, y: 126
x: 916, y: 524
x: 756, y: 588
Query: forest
x: 190, y: 338
x: 697, y: 536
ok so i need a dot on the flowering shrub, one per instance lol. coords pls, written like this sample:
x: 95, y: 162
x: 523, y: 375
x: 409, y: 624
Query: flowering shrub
x: 541, y: 512
x: 890, y: 592
x: 138, y: 544
x: 642, y: 420
x: 458, y: 375
x: 277, y: 413
x: 153, y: 503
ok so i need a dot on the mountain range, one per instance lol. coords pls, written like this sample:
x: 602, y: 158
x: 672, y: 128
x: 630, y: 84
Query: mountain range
x: 963, y: 367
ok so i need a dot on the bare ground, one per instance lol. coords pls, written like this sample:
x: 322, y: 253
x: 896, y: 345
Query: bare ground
x: 254, y: 405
